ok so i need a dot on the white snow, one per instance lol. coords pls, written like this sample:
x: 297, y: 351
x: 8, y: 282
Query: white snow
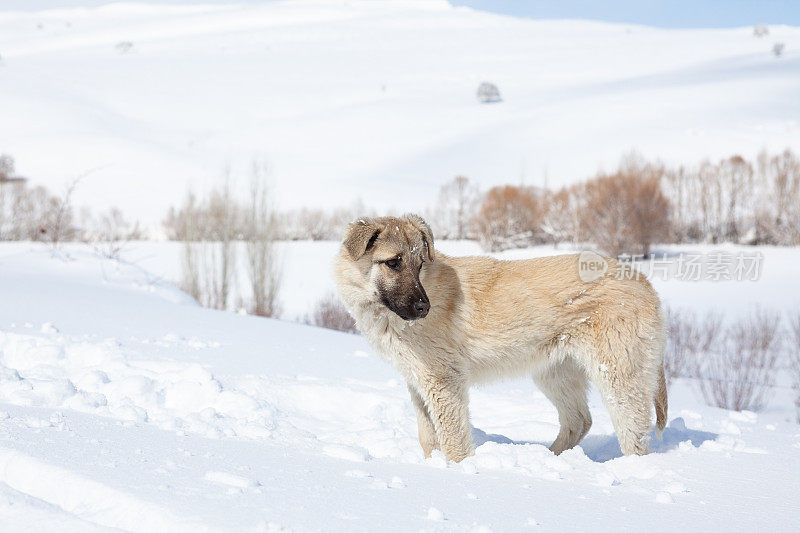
x: 125, y: 405
x: 347, y: 99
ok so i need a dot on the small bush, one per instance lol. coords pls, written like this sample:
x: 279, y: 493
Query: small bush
x: 561, y: 214
x: 330, y: 313
x: 688, y: 338
x: 111, y: 232
x: 626, y: 212
x: 509, y: 217
x: 739, y: 371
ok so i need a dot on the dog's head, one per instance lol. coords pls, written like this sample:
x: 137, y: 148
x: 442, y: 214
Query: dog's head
x: 390, y: 254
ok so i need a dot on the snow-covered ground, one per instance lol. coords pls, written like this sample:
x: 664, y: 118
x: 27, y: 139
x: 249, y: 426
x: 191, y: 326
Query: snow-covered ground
x: 125, y: 405
x: 372, y: 100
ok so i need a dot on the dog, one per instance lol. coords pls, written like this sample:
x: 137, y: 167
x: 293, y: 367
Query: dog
x: 446, y: 323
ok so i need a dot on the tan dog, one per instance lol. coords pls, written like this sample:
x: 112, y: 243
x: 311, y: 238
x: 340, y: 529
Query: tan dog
x: 449, y: 322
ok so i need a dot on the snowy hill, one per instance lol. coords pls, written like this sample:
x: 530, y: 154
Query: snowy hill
x: 124, y: 405
x: 370, y: 100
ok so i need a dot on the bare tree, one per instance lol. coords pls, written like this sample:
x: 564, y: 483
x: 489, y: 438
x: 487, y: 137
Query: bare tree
x: 737, y: 176
x: 794, y: 354
x: 188, y: 230
x: 59, y: 224
x: 784, y: 174
x: 689, y: 339
x: 561, y: 214
x: 626, y: 212
x: 262, y: 262
x: 455, y: 208
x: 219, y: 252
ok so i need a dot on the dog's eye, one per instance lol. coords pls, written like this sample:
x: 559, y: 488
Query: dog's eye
x: 394, y: 264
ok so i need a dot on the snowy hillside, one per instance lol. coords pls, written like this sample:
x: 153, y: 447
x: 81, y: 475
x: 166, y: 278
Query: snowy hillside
x: 370, y: 100
x: 124, y: 405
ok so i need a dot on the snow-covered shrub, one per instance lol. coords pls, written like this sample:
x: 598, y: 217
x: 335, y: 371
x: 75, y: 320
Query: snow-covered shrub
x: 330, y: 313
x: 488, y: 93
x: 509, y: 217
x: 777, y: 49
x: 760, y: 30
x: 738, y: 372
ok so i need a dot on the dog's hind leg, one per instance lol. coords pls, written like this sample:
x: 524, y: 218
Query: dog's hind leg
x: 565, y: 384
x: 628, y: 396
x: 427, y: 432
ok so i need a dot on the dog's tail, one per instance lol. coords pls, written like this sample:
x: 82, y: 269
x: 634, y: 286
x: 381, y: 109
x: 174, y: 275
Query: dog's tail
x: 661, y: 403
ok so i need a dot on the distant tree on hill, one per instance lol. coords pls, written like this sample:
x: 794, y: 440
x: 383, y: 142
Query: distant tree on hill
x: 488, y: 93
x: 123, y: 47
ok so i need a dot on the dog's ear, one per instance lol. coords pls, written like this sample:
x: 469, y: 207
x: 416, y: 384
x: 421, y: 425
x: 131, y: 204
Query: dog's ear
x: 427, y: 235
x: 360, y: 236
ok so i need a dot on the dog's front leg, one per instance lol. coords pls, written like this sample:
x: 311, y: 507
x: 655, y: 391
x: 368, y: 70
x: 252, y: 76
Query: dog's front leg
x: 446, y: 398
x: 427, y: 431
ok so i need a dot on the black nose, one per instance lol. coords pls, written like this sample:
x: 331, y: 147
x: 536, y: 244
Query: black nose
x: 421, y: 308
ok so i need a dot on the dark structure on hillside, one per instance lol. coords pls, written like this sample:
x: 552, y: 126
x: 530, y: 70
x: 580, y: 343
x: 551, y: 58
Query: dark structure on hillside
x: 7, y: 174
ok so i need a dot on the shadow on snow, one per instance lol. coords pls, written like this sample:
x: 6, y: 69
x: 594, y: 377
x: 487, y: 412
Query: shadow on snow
x: 602, y: 448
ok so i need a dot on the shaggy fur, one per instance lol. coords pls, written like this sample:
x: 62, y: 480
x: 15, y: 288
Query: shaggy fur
x: 447, y: 323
